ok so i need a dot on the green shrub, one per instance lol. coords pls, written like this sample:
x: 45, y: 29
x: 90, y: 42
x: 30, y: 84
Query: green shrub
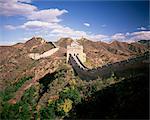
x: 21, y: 82
x: 61, y: 107
x: 9, y: 91
x: 17, y: 111
x: 71, y: 93
x: 23, y: 110
x: 47, y: 112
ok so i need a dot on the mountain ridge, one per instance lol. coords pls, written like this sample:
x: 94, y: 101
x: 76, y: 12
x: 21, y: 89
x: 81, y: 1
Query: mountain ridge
x: 15, y: 63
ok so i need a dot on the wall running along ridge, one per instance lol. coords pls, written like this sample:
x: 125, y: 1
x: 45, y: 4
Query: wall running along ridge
x: 36, y: 56
x: 106, y: 71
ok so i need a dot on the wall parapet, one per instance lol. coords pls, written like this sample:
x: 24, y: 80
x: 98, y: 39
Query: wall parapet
x: 106, y: 71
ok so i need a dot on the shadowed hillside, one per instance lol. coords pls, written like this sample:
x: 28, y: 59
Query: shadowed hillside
x: 49, y: 88
x: 128, y: 99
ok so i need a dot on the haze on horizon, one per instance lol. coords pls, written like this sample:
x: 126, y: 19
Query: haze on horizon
x: 96, y: 20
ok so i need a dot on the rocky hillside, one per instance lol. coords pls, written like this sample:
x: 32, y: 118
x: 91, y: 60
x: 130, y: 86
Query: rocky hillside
x: 48, y: 88
x: 15, y: 63
x: 63, y: 42
x: 100, y: 53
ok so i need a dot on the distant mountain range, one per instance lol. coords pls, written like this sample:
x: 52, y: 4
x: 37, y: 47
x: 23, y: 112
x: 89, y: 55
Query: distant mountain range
x: 99, y: 53
x: 15, y: 63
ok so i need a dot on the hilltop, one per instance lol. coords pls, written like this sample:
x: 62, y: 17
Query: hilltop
x: 99, y: 53
x: 48, y: 88
x: 15, y: 63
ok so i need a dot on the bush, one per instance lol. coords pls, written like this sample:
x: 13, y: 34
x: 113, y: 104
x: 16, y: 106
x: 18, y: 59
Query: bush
x: 9, y: 91
x: 24, y: 109
x: 21, y: 82
x: 47, y: 113
x: 72, y: 93
x: 61, y: 107
x: 67, y: 106
x: 17, y: 111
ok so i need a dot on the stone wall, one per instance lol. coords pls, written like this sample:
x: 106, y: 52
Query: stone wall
x: 76, y: 50
x: 48, y: 53
x: 106, y: 71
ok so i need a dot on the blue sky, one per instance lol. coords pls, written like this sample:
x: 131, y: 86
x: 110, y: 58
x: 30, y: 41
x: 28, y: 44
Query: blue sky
x: 95, y: 20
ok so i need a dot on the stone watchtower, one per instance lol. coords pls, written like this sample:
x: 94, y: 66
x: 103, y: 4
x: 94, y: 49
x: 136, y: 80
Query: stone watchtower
x: 76, y: 49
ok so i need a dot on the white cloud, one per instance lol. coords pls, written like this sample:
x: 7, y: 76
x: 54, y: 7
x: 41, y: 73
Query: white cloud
x: 46, y: 23
x: 34, y: 25
x: 141, y: 28
x: 87, y: 24
x: 131, y: 37
x: 30, y: 25
x: 48, y: 15
x: 118, y: 36
x: 127, y: 34
x: 31, y: 12
x: 26, y: 1
x: 142, y: 35
x: 97, y: 37
x: 37, y: 25
x: 147, y: 33
x: 16, y: 7
x: 62, y: 31
x: 27, y: 38
x: 10, y: 27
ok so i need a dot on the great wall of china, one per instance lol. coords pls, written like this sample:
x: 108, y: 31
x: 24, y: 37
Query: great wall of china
x: 74, y: 58
x: 37, y: 56
x: 106, y: 71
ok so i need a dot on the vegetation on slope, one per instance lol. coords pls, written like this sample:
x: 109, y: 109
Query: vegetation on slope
x: 24, y: 109
x: 69, y: 91
x: 127, y: 99
x: 59, y: 103
x: 10, y: 90
x: 61, y: 95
